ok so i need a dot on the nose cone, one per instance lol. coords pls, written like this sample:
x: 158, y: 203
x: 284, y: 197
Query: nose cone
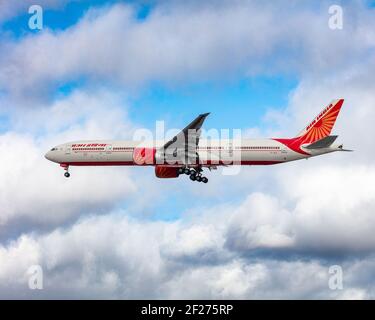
x: 48, y: 156
x: 51, y: 156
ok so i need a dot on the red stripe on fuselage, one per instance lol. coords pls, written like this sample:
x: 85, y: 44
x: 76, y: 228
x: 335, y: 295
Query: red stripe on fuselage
x: 101, y: 163
x: 131, y: 163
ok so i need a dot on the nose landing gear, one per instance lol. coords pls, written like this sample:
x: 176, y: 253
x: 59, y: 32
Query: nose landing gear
x: 66, y: 168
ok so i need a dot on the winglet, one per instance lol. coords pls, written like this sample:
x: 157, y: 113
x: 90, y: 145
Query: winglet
x: 196, y: 124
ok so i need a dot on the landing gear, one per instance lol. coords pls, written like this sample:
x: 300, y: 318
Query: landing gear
x: 198, y: 177
x: 194, y: 174
x: 66, y: 168
x: 193, y: 177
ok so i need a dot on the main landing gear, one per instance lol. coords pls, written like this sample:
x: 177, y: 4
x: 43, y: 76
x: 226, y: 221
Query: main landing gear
x: 195, y: 174
x: 66, y: 168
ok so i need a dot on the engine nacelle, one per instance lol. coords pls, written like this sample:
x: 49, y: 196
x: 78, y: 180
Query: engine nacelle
x: 166, y: 172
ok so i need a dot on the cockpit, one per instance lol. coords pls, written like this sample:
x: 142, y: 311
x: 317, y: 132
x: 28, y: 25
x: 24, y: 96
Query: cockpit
x: 54, y: 149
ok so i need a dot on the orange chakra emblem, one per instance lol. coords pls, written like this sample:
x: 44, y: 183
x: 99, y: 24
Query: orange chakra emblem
x: 323, y: 127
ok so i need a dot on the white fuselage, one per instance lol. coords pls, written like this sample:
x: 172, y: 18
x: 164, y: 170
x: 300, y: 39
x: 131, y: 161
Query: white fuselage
x: 211, y: 152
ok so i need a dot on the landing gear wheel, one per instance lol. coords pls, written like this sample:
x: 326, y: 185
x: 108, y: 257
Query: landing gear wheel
x: 181, y: 170
x: 199, y: 178
x: 193, y: 177
x: 204, y: 180
x: 67, y: 174
x: 187, y: 171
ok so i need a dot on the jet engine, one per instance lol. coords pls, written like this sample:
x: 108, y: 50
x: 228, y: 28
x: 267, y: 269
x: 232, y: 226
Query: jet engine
x: 166, y: 172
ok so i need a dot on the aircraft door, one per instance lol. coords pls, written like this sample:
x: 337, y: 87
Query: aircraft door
x: 284, y: 152
x: 230, y: 148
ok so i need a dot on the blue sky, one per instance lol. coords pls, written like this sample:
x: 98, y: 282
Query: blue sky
x: 68, y: 14
x: 115, y: 232
x: 60, y: 18
x: 239, y: 103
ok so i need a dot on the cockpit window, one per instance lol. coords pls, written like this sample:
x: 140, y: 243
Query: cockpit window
x: 53, y: 149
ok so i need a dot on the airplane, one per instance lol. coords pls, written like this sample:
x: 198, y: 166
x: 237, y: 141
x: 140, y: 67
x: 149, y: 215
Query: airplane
x: 187, y: 153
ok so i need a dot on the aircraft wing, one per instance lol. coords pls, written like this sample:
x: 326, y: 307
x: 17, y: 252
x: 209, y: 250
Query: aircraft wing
x: 183, y: 146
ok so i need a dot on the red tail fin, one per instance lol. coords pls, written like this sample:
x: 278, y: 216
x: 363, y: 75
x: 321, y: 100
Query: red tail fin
x: 322, y: 125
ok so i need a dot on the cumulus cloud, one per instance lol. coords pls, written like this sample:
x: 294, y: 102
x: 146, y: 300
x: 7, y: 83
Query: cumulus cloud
x: 319, y: 210
x: 33, y: 190
x: 260, y: 222
x: 186, y: 42
x: 77, y: 264
x: 338, y: 204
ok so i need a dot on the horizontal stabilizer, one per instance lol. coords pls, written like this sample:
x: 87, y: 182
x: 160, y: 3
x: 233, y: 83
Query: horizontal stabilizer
x: 341, y: 148
x: 322, y: 143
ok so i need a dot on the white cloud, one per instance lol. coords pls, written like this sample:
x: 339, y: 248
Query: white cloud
x: 354, y: 294
x: 260, y: 222
x: 33, y: 189
x: 226, y: 281
x: 195, y: 241
x: 187, y: 43
x: 81, y: 114
x: 337, y: 201
x: 112, y: 256
x: 321, y: 209
x: 16, y: 260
